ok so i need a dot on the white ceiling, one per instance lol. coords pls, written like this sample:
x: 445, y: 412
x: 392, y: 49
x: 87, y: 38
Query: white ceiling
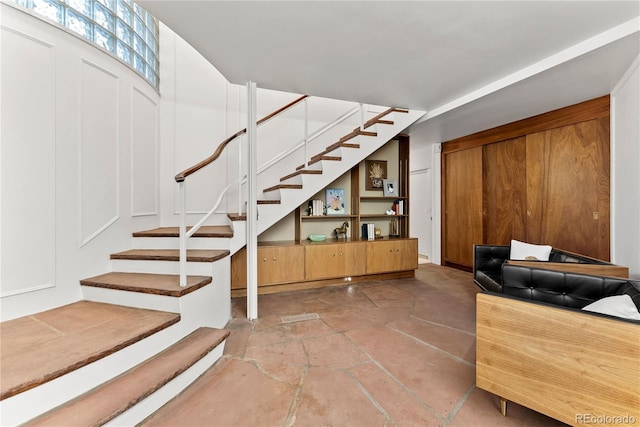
x: 471, y: 65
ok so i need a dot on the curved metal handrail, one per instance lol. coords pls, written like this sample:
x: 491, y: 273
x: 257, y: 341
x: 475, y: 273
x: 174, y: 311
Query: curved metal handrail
x: 185, y: 173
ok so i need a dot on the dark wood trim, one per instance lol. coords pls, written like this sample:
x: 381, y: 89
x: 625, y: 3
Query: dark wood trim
x: 592, y: 109
x: 185, y: 173
x: 458, y: 266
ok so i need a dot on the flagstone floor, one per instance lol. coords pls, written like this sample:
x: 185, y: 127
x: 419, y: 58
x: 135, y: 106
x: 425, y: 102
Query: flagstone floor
x: 381, y: 353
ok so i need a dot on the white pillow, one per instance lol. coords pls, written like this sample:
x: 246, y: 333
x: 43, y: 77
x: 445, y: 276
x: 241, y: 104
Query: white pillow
x: 617, y: 305
x: 525, y: 251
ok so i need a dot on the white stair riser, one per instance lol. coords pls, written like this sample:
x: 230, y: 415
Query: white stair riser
x: 131, y: 299
x: 160, y: 267
x: 174, y: 243
x: 207, y: 306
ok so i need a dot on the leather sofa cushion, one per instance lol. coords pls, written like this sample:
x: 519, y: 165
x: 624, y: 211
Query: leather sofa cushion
x: 560, y: 288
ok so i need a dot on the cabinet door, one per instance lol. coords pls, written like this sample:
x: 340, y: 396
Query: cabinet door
x: 381, y: 257
x: 462, y: 205
x: 406, y: 255
x: 355, y: 259
x: 568, y: 188
x: 324, y: 261
x: 282, y: 264
x: 265, y: 260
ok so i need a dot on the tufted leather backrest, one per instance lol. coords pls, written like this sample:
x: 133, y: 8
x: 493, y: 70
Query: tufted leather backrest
x: 562, y: 256
x: 564, y: 289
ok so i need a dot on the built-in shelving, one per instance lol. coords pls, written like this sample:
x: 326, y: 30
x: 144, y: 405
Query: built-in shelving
x: 363, y: 207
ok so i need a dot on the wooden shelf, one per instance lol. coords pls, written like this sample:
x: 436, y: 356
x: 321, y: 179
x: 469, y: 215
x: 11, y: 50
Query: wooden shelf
x: 325, y: 217
x: 380, y: 198
x: 365, y: 206
x: 365, y: 216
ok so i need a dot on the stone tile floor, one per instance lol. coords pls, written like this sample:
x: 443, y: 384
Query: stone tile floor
x: 381, y: 353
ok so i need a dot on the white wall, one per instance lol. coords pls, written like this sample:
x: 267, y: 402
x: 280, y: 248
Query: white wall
x: 425, y: 192
x: 90, y: 150
x: 625, y: 171
x: 79, y: 158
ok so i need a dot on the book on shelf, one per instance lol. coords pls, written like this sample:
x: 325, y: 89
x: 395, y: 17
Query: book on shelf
x: 316, y: 207
x: 398, y: 207
x: 368, y: 231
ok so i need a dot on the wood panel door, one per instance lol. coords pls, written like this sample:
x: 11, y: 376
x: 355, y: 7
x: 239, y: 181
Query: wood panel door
x: 462, y: 205
x: 505, y: 186
x: 568, y: 188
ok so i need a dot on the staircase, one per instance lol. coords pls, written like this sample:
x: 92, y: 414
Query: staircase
x: 144, y: 362
x: 289, y: 190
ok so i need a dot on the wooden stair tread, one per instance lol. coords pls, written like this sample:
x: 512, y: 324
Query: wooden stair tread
x: 283, y: 186
x: 157, y: 284
x: 193, y: 255
x: 44, y: 346
x: 109, y: 400
x: 302, y: 172
x: 237, y: 216
x: 331, y: 158
x: 268, y: 202
x: 204, y: 231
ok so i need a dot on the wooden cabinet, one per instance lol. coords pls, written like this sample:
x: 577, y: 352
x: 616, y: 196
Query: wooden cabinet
x: 276, y: 264
x: 335, y: 260
x: 300, y: 265
x: 544, y: 180
x: 392, y: 255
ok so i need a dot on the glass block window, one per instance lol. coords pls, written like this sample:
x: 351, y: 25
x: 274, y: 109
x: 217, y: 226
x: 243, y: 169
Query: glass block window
x: 120, y: 27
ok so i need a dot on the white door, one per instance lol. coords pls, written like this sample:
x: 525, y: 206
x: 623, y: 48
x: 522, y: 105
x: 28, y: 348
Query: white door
x: 421, y: 210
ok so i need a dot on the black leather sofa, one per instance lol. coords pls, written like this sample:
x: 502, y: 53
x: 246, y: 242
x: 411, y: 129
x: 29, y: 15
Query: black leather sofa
x: 535, y: 346
x: 573, y: 290
x: 488, y: 260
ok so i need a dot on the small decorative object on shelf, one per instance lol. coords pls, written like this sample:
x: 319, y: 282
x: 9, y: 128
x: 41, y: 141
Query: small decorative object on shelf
x: 335, y: 201
x: 390, y: 187
x: 341, y: 232
x: 375, y: 172
x: 317, y: 237
x: 393, y: 228
x: 378, y: 233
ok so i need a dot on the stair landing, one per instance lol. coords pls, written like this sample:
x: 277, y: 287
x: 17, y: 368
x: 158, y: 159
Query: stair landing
x: 39, y: 348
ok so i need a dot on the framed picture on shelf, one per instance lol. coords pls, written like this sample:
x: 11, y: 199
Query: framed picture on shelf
x: 335, y: 201
x: 375, y: 171
x: 390, y: 187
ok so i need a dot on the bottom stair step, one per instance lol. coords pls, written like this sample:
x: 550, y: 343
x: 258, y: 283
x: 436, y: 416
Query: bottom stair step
x: 111, y: 399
